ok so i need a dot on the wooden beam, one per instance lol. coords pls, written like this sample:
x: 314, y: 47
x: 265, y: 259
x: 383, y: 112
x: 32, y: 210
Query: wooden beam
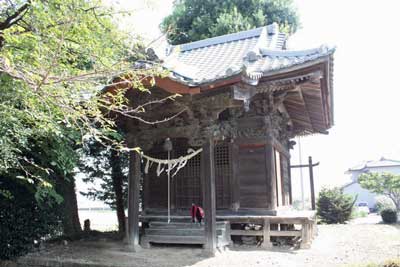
x: 304, y: 165
x: 286, y: 233
x: 247, y: 232
x: 133, y: 200
x: 172, y: 86
x: 209, y: 197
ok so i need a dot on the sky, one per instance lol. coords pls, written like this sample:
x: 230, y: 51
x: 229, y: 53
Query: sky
x: 366, y: 69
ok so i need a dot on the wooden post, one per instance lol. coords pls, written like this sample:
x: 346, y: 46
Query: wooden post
x: 133, y: 200
x: 290, y: 182
x: 305, y: 235
x: 235, y: 183
x: 271, y: 174
x: 310, y: 168
x: 209, y: 197
x: 267, y: 234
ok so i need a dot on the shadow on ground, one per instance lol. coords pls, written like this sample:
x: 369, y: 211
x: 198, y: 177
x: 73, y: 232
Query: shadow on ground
x: 109, y: 254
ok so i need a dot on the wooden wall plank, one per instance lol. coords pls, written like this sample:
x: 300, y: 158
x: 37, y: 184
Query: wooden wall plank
x: 251, y: 174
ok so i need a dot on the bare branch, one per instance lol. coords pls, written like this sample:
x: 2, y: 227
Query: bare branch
x: 150, y: 122
x: 139, y: 108
x: 14, y: 18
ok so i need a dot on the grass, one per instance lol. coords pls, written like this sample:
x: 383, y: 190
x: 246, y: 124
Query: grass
x: 358, y: 214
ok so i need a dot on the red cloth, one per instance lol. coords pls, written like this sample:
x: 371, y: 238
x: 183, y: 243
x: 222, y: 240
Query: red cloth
x: 197, y: 213
x: 200, y: 212
x: 193, y: 211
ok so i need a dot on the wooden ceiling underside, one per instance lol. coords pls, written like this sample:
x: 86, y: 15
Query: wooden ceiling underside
x: 305, y: 108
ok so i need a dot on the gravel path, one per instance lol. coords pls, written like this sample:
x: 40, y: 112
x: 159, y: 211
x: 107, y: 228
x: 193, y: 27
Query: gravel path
x: 335, y: 245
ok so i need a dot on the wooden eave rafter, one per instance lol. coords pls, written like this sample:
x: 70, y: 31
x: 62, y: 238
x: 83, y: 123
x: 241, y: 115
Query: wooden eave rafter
x: 298, y: 111
x: 314, y: 105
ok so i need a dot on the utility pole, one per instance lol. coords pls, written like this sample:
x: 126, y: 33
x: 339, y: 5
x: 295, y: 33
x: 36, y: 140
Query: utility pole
x: 301, y: 175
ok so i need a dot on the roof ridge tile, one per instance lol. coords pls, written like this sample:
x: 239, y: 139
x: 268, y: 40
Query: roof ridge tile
x: 222, y: 39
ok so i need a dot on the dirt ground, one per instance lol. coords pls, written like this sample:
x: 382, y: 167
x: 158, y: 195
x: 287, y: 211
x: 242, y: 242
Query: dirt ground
x: 335, y: 245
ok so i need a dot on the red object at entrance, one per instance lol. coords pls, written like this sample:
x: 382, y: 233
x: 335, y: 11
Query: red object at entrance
x: 197, y: 213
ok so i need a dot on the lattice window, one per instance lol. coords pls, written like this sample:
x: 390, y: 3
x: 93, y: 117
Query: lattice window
x: 222, y: 176
x: 187, y: 181
x: 186, y: 185
x: 156, y: 195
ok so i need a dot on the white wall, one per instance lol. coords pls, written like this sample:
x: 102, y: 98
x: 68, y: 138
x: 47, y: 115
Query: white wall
x: 363, y: 195
x: 393, y: 169
x: 354, y: 175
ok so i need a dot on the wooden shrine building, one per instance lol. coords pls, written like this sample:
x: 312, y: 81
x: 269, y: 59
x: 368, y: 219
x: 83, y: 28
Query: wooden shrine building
x: 244, y: 96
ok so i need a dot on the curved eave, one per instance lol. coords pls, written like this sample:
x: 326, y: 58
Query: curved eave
x: 325, y: 65
x: 216, y: 82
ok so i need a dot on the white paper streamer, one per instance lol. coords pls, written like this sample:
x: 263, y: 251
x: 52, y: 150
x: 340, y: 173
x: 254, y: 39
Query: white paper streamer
x: 169, y: 165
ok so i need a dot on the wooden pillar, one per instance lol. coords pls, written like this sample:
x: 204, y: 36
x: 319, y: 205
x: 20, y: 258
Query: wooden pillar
x: 310, y: 168
x: 271, y: 175
x: 267, y: 234
x: 133, y: 200
x: 305, y: 235
x: 209, y: 197
x: 235, y: 183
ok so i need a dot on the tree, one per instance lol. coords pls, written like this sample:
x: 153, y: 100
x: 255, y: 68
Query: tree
x: 194, y: 20
x: 55, y: 59
x: 23, y: 220
x: 333, y: 206
x: 43, y: 159
x: 108, y: 167
x: 55, y: 56
x: 387, y: 184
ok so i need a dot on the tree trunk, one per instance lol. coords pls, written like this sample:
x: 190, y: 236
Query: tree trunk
x: 397, y: 204
x: 70, y: 217
x: 117, y: 180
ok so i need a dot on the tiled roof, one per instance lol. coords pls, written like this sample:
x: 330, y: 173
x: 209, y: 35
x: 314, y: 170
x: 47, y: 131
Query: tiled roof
x: 253, y: 53
x: 383, y: 162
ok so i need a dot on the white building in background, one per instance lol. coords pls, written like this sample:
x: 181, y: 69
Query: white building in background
x: 364, y: 195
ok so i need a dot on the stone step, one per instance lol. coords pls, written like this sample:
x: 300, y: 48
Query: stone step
x: 173, y: 239
x: 183, y: 225
x: 179, y: 232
